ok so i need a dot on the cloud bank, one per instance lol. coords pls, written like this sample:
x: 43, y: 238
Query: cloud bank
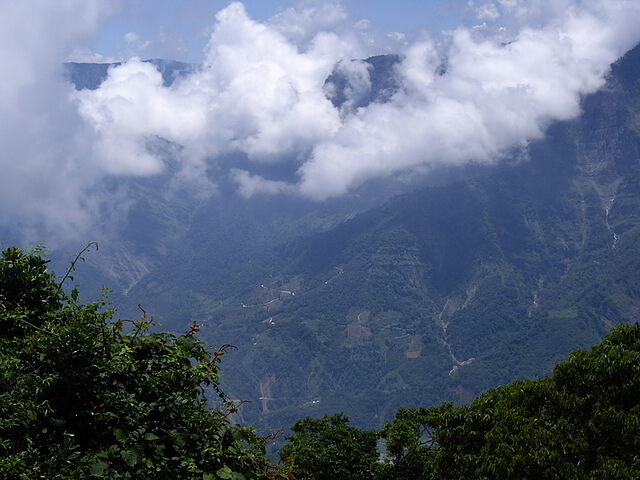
x: 47, y: 170
x: 474, y: 95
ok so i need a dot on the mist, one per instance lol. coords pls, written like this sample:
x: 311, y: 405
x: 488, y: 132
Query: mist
x: 473, y: 95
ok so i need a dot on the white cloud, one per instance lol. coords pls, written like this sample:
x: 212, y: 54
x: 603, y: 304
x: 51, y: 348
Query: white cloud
x: 131, y: 37
x: 83, y: 54
x: 260, y: 92
x: 45, y: 144
x: 132, y: 104
x: 307, y: 19
x: 135, y: 42
x: 255, y: 93
x: 488, y: 11
x: 250, y: 185
x: 356, y: 89
x: 493, y: 97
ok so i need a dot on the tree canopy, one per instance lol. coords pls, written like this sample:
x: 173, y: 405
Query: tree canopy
x: 86, y: 396
x: 329, y: 449
x: 583, y: 422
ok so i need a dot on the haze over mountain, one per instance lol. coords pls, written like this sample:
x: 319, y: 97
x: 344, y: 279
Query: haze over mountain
x: 438, y: 294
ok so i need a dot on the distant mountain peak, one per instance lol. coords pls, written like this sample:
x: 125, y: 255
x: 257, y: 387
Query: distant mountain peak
x: 91, y: 75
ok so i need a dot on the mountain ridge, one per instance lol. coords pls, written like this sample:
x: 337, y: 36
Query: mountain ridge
x: 435, y: 295
x: 487, y: 273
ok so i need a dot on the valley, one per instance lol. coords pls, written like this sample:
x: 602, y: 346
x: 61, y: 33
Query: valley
x: 396, y: 295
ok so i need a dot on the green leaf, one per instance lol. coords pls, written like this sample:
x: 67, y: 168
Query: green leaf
x: 187, y: 342
x: 178, y: 438
x: 98, y: 467
x: 103, y: 454
x: 151, y: 436
x: 225, y: 472
x: 131, y: 457
x: 120, y: 434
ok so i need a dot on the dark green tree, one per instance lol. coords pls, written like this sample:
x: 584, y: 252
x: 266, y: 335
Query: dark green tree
x: 83, y: 396
x: 581, y: 423
x: 409, y: 443
x: 329, y: 449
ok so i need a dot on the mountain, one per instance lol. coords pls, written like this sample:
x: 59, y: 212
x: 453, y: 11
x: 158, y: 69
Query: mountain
x: 168, y: 226
x: 438, y: 294
x: 167, y: 223
x: 91, y: 75
x: 381, y: 86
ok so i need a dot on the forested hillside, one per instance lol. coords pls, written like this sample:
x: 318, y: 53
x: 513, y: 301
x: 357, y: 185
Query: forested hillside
x: 581, y: 422
x: 436, y: 295
x: 441, y: 293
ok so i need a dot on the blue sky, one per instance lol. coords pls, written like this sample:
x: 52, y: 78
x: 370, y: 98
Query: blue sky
x: 178, y: 29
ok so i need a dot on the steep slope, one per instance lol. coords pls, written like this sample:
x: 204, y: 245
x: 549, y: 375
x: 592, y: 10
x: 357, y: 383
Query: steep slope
x: 175, y: 236
x: 445, y: 292
x: 438, y: 294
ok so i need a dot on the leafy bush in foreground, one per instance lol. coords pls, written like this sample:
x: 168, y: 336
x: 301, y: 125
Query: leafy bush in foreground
x: 329, y: 449
x: 83, y: 397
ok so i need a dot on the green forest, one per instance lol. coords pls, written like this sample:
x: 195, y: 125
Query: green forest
x: 84, y: 394
x: 396, y: 294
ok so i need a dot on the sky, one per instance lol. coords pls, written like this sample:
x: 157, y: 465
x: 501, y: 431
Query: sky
x: 477, y: 82
x: 179, y: 29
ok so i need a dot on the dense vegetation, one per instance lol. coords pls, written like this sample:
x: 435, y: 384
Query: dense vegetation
x: 437, y: 295
x: 84, y: 396
x: 583, y: 422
